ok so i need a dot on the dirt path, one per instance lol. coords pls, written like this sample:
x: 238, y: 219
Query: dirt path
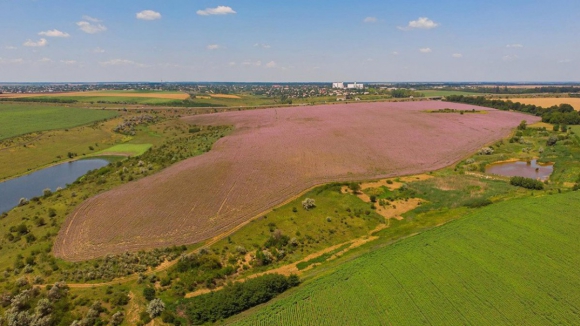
x: 293, y: 268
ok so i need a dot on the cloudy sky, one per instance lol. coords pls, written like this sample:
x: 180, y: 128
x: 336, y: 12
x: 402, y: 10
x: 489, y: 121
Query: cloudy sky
x: 299, y: 40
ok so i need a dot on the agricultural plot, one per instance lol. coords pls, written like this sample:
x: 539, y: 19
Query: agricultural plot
x: 272, y: 155
x: 512, y: 263
x: 549, y: 101
x: 19, y: 119
x: 125, y: 150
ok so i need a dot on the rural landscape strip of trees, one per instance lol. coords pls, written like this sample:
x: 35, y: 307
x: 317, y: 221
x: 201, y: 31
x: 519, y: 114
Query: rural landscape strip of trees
x: 169, y: 284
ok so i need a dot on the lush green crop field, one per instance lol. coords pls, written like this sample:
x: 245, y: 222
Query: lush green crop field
x: 110, y: 99
x: 512, y: 263
x: 18, y: 119
x: 429, y: 93
x: 125, y: 149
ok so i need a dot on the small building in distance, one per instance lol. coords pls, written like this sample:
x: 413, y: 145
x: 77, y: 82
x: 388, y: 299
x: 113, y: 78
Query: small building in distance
x: 338, y: 85
x: 355, y: 86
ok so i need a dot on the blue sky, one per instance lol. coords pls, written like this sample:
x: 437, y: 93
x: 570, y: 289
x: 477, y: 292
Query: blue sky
x: 188, y: 40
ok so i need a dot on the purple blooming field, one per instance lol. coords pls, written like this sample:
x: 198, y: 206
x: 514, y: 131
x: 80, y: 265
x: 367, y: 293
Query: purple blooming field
x: 273, y: 155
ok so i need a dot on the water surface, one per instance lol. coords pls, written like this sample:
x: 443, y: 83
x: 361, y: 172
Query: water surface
x: 531, y: 169
x: 33, y: 184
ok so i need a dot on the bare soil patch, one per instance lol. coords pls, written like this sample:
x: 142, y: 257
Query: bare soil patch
x: 225, y: 96
x: 272, y: 155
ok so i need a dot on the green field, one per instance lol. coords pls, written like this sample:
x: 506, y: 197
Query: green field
x: 125, y: 149
x: 511, y: 263
x: 430, y: 93
x: 19, y: 119
x: 109, y: 99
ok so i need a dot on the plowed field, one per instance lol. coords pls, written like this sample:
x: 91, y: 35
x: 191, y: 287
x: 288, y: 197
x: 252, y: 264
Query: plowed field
x: 274, y: 154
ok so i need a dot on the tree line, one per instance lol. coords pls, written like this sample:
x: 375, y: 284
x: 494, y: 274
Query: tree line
x: 557, y: 114
x: 237, y: 297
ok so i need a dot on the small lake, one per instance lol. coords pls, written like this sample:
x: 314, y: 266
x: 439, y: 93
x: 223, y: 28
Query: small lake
x: 531, y: 169
x: 32, y: 185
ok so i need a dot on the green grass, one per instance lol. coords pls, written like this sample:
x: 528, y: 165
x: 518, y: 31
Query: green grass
x: 430, y: 93
x: 510, y: 263
x: 19, y: 119
x: 125, y: 149
x: 109, y: 99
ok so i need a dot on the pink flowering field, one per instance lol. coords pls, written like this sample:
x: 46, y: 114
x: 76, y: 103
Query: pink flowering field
x: 273, y: 155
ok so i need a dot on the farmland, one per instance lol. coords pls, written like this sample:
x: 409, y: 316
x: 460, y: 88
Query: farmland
x: 241, y: 177
x: 505, y: 264
x: 19, y: 119
x: 547, y: 102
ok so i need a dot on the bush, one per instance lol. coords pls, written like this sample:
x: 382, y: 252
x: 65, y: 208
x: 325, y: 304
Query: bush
x: 477, y: 202
x: 155, y: 308
x: 486, y: 151
x: 238, y: 297
x: 308, y: 203
x: 552, y: 140
x: 149, y: 293
x: 527, y: 183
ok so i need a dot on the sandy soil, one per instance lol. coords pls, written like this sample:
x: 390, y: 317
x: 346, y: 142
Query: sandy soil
x: 225, y: 96
x: 273, y: 155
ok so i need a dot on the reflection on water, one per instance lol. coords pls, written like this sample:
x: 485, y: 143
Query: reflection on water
x: 32, y: 185
x: 530, y: 169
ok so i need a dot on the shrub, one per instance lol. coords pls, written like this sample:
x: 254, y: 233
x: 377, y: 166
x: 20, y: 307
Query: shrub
x: 486, y: 151
x: 308, y: 203
x: 527, y: 183
x: 477, y: 202
x: 238, y: 297
x: 552, y: 140
x: 155, y: 308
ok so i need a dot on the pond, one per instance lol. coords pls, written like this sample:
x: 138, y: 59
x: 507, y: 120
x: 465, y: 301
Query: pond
x: 33, y: 184
x: 529, y: 169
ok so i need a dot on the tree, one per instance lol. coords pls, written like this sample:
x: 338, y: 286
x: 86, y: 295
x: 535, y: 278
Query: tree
x: 552, y: 140
x: 523, y: 125
x: 308, y: 203
x: 117, y: 318
x: 149, y: 293
x: 355, y: 187
x: 155, y: 307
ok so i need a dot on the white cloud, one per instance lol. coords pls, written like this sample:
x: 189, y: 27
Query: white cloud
x: 219, y: 10
x: 10, y: 47
x: 212, y: 47
x: 91, y: 19
x: 232, y: 63
x: 565, y: 61
x: 148, y: 15
x: 425, y: 50
x: 509, y: 57
x: 421, y: 23
x: 370, y: 20
x: 91, y: 25
x: 252, y: 63
x: 17, y: 61
x: 121, y: 62
x: 40, y: 43
x: 514, y: 46
x: 265, y: 46
x: 98, y: 50
x: 271, y: 64
x: 54, y: 33
x: 68, y: 62
x: 457, y: 55
x: 45, y: 60
x: 395, y: 53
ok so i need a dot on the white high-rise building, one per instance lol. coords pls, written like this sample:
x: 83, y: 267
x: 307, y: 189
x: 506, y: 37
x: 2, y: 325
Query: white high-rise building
x: 355, y: 86
x: 338, y: 85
